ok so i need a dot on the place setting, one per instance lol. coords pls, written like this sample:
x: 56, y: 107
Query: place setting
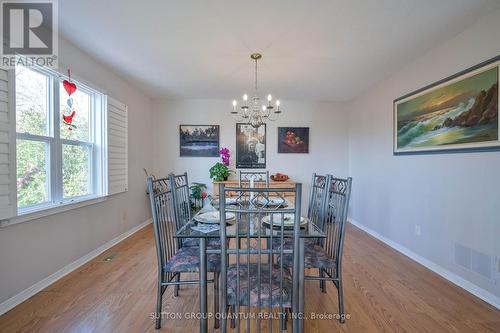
x: 210, y: 221
x: 284, y: 222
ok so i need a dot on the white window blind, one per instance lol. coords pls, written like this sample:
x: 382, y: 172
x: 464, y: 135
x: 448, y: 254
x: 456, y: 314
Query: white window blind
x: 117, y: 128
x: 7, y: 147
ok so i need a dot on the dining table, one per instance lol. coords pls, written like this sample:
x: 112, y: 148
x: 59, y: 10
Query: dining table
x: 191, y: 230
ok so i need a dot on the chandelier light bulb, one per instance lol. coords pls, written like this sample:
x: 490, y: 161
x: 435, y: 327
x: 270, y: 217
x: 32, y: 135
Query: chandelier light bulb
x: 277, y: 102
x: 234, y: 103
x: 269, y: 97
x: 245, y: 97
x: 264, y: 108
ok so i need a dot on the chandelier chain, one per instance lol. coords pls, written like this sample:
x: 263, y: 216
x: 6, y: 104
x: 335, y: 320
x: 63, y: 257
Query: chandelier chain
x: 256, y: 77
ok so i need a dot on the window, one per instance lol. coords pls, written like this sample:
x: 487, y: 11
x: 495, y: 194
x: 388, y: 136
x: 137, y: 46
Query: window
x: 57, y: 163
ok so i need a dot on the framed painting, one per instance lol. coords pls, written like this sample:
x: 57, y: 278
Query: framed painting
x: 293, y: 140
x: 459, y: 113
x: 199, y: 140
x: 250, y: 146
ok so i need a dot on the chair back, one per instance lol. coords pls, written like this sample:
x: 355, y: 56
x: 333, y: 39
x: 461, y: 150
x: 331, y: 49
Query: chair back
x: 162, y: 213
x: 249, y: 277
x: 259, y: 178
x: 252, y: 179
x: 181, y: 199
x: 339, y: 192
x: 318, y: 199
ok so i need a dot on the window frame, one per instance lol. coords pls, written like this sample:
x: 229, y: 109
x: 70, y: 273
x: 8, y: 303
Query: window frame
x: 96, y: 145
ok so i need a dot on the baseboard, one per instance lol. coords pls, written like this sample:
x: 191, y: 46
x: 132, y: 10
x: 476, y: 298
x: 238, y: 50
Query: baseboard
x: 450, y: 276
x: 39, y: 286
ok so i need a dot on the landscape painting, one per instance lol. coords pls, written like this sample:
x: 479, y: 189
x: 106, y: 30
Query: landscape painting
x: 294, y: 140
x: 460, y: 112
x: 199, y: 140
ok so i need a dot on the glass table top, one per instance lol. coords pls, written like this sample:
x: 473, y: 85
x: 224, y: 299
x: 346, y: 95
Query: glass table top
x: 249, y: 225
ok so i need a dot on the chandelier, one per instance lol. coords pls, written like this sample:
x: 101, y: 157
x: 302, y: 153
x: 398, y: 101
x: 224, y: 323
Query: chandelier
x: 254, y: 112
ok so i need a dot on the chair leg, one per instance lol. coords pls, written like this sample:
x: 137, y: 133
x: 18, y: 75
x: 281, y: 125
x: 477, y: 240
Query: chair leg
x: 341, y: 301
x: 232, y: 311
x: 216, y: 299
x: 322, y: 283
x: 284, y: 320
x: 159, y: 295
x: 177, y: 286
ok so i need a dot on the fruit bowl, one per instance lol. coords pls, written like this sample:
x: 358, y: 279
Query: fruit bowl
x: 279, y: 177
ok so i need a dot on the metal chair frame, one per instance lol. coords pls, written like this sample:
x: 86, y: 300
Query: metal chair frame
x: 258, y: 250
x: 335, y: 217
x: 317, y: 199
x: 182, y: 201
x: 258, y: 176
x: 162, y: 203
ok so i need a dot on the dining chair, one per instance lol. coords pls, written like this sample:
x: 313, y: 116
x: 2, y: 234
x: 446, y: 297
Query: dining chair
x: 317, y: 199
x: 173, y: 259
x: 246, y: 177
x: 249, y: 277
x: 182, y: 208
x: 316, y: 206
x: 327, y: 256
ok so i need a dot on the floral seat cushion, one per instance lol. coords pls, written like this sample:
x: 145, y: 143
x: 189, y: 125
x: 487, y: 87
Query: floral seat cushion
x: 249, y: 285
x: 289, y: 242
x: 187, y: 259
x: 211, y: 242
x: 314, y: 257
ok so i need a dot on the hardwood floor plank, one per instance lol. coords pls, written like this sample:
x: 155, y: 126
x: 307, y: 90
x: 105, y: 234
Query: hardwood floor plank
x: 384, y: 292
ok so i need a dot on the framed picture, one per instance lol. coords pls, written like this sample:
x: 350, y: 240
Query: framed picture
x: 199, y: 140
x: 250, y: 146
x: 293, y: 140
x: 459, y: 113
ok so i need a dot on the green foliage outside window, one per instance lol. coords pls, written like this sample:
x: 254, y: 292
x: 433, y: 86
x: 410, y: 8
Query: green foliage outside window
x: 33, y: 158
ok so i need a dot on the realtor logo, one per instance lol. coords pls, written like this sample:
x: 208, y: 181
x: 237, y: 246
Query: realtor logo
x: 29, y: 33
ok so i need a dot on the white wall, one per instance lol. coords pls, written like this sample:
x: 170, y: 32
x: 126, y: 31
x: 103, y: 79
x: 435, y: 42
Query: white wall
x: 328, y: 138
x: 453, y: 197
x: 33, y: 250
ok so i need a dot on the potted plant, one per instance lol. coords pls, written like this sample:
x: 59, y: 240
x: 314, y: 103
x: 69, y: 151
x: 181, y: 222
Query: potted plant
x: 197, y: 195
x: 220, y: 171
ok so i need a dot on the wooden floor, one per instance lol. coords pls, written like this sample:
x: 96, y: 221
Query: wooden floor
x: 384, y: 292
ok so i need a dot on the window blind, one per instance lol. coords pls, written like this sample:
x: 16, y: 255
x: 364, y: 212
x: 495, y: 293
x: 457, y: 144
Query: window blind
x: 117, y: 128
x: 8, y: 190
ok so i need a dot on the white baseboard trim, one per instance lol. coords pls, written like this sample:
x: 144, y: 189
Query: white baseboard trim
x: 39, y: 286
x: 450, y: 276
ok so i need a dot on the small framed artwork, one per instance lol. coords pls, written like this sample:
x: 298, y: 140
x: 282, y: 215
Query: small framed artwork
x: 293, y: 140
x: 459, y: 113
x: 250, y: 146
x: 199, y: 140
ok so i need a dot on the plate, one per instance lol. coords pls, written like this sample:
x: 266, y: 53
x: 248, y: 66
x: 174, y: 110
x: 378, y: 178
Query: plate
x: 289, y: 220
x: 229, y: 201
x: 213, y: 217
x: 272, y: 202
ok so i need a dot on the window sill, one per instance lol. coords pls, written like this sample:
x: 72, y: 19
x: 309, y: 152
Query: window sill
x: 51, y: 210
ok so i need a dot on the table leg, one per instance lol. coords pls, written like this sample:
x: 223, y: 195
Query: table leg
x: 203, y: 287
x: 298, y: 289
x: 301, y: 285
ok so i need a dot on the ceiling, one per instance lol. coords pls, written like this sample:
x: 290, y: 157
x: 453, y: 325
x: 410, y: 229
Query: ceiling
x: 312, y: 50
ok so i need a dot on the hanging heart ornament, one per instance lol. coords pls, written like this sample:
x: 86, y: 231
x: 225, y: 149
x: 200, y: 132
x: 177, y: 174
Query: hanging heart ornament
x: 70, y: 87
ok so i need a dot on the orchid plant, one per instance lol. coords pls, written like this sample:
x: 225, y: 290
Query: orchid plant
x: 220, y: 171
x: 225, y: 155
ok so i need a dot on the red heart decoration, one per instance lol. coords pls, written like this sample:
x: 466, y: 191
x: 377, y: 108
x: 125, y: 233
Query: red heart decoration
x: 70, y: 87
